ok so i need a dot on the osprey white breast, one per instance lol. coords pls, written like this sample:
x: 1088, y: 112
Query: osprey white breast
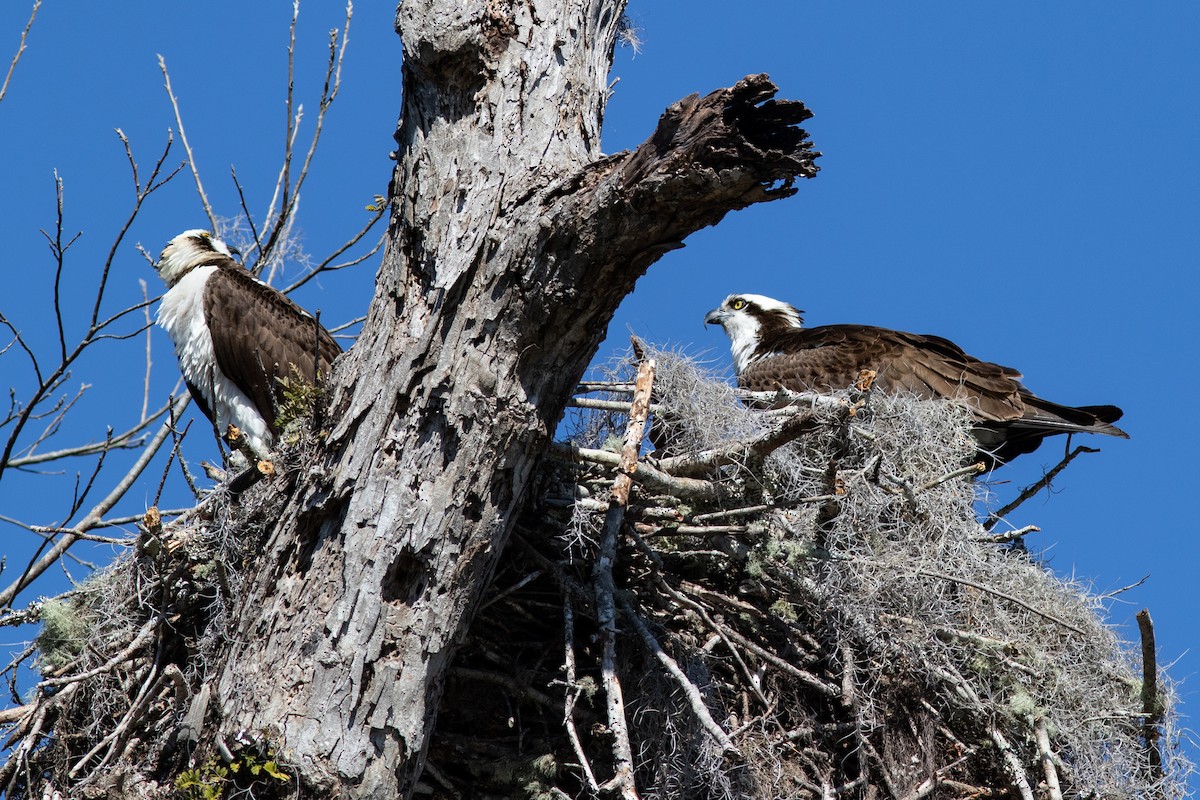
x: 181, y: 314
x: 236, y: 337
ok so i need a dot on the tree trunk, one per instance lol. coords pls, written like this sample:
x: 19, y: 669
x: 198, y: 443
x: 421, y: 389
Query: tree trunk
x: 511, y: 242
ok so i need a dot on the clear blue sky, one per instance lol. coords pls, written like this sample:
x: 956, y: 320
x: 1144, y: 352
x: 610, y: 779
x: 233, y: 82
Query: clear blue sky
x: 1021, y: 178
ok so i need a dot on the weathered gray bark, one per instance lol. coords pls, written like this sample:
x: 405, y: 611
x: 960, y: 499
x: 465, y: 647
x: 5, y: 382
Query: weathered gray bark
x: 511, y: 242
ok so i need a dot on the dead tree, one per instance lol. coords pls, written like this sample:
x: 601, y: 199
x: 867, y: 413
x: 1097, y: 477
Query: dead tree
x: 511, y: 241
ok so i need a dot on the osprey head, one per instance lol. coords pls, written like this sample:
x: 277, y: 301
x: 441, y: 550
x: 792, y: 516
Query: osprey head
x: 188, y: 250
x: 747, y: 318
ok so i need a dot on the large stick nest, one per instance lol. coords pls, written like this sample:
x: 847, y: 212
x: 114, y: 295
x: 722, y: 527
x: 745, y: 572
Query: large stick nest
x: 798, y: 602
x: 833, y: 607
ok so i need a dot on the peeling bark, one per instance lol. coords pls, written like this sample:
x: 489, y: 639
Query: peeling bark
x: 511, y: 242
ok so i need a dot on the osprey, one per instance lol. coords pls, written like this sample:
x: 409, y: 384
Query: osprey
x: 236, y: 337
x: 772, y: 350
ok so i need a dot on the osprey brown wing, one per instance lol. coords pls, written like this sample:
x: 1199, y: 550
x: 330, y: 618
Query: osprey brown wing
x: 830, y: 357
x: 772, y: 350
x: 257, y: 342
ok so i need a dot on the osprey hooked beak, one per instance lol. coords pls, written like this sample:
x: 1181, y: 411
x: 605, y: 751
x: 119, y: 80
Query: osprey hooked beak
x: 715, y: 317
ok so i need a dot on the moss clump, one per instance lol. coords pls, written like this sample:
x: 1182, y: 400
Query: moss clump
x: 298, y: 401
x: 64, y: 631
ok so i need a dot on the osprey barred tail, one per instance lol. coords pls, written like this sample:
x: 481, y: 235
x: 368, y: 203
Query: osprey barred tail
x: 235, y: 336
x: 772, y: 350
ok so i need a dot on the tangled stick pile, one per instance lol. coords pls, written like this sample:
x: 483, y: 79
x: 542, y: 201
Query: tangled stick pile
x: 127, y: 660
x: 805, y: 606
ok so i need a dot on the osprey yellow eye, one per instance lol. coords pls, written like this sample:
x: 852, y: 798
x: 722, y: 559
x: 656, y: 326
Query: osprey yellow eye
x: 737, y: 304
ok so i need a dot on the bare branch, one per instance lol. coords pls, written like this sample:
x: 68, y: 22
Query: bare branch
x: 1032, y: 490
x: 329, y: 92
x: 59, y: 251
x: 1016, y: 771
x: 1009, y: 536
x: 37, y: 370
x: 246, y: 210
x: 571, y: 692
x: 94, y: 517
x: 1123, y: 589
x: 283, y: 182
x: 347, y: 325
x: 187, y: 147
x: 616, y: 387
x: 1042, y: 735
x: 124, y: 655
x: 20, y: 49
x: 727, y: 634
x: 126, y: 440
x: 96, y: 330
x: 646, y: 474
x: 46, y: 533
x: 152, y: 685
x: 58, y: 412
x: 1003, y: 595
x: 325, y: 266
x: 604, y: 405
x: 140, y: 194
x: 693, y: 694
x: 149, y: 350
x: 795, y: 425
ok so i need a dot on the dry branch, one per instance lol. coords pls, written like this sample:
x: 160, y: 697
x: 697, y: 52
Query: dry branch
x: 1048, y: 761
x: 695, y: 699
x: 1151, y: 701
x: 1016, y: 770
x: 571, y: 693
x: 1034, y: 488
x: 1003, y: 595
x: 789, y: 429
x: 12, y: 66
x: 96, y: 515
x: 606, y: 611
x: 646, y: 473
x: 187, y: 146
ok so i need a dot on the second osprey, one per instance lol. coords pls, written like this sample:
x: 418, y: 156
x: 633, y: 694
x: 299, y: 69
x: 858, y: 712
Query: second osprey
x: 236, y: 337
x: 772, y: 351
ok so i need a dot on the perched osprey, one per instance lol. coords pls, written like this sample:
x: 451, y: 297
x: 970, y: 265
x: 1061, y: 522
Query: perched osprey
x: 772, y: 350
x: 236, y: 337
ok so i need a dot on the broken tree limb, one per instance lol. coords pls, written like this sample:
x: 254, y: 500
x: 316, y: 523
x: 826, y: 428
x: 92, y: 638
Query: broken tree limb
x: 1150, y: 700
x: 606, y: 611
x: 735, y: 125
